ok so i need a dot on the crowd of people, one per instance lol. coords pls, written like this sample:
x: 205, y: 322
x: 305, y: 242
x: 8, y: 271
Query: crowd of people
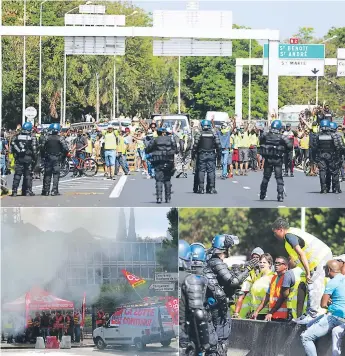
x: 161, y: 152
x: 307, y: 288
x: 43, y: 324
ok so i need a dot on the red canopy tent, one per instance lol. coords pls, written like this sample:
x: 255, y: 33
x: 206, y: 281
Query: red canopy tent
x: 38, y: 299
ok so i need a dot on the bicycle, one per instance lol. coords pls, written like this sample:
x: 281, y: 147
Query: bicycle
x: 88, y: 166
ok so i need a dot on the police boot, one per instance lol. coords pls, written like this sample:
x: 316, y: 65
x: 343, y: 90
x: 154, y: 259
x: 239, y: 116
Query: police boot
x: 45, y: 193
x: 337, y: 190
x: 14, y: 193
x: 28, y: 192
x: 324, y: 189
x: 200, y: 190
x: 262, y: 195
x: 168, y: 192
x: 55, y: 193
x: 212, y: 191
x: 280, y: 197
x: 286, y: 174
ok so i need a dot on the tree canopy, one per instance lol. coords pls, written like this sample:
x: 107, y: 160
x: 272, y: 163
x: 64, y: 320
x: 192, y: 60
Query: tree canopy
x: 253, y: 227
x: 146, y: 83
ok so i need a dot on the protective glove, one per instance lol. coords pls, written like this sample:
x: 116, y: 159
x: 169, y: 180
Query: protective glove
x: 254, y: 262
x: 235, y: 316
x: 230, y: 241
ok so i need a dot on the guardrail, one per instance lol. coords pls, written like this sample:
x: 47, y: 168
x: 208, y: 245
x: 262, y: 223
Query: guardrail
x: 259, y: 338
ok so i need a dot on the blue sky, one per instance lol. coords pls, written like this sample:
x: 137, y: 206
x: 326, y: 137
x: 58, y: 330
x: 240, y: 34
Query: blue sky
x: 286, y: 16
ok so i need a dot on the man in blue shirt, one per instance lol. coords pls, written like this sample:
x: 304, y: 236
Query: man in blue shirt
x: 334, y: 300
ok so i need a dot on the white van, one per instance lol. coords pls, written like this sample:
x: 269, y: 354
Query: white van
x: 170, y: 119
x: 136, y: 326
x: 219, y: 117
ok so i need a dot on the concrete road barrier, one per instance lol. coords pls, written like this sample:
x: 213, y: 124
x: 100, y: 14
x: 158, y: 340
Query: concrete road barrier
x: 259, y: 338
x: 40, y: 343
x: 66, y: 342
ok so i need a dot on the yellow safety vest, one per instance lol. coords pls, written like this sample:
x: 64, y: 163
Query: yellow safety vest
x: 236, y: 141
x: 246, y: 305
x: 110, y: 142
x: 89, y: 146
x: 254, y: 140
x: 122, y: 147
x: 155, y: 134
x: 258, y: 292
x: 314, y: 248
x: 244, y: 142
x: 300, y: 277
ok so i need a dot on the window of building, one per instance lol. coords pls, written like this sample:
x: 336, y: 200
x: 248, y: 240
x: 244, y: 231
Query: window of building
x: 136, y: 251
x: 113, y: 273
x: 151, y: 273
x: 121, y: 252
x: 144, y: 272
x: 90, y: 276
x: 128, y: 251
x: 151, y: 252
x: 98, y: 276
x: 143, y: 252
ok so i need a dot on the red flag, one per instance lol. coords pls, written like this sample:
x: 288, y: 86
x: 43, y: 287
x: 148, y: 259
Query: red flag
x: 83, y: 307
x: 133, y: 280
x: 27, y: 303
x: 172, y: 307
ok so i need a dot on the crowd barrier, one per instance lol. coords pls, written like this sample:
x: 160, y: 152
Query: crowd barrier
x: 259, y: 338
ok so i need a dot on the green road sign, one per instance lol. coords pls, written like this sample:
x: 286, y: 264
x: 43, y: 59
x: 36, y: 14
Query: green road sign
x: 299, y: 51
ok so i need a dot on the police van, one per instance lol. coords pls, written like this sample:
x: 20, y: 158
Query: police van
x: 138, y: 326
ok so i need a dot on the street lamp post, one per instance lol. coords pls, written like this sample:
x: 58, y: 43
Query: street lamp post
x: 179, y: 84
x: 97, y: 104
x: 40, y: 72
x: 250, y: 83
x: 24, y: 67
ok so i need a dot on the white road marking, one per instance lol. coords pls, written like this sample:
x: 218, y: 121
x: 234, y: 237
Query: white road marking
x: 281, y: 206
x: 234, y: 181
x: 62, y: 181
x: 118, y: 187
x: 246, y: 187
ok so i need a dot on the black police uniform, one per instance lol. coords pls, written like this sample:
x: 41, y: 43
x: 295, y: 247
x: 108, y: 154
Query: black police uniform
x: 206, y: 146
x: 196, y: 331
x: 330, y: 148
x: 163, y: 150
x: 289, y: 154
x: 55, y: 149
x: 223, y: 283
x: 24, y: 148
x: 272, y: 149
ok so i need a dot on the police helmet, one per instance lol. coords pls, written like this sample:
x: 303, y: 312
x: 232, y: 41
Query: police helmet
x: 324, y: 124
x: 160, y: 130
x: 27, y: 126
x: 221, y: 243
x: 276, y: 125
x: 55, y: 127
x: 206, y: 124
x: 333, y: 126
x: 184, y: 254
x: 198, y: 252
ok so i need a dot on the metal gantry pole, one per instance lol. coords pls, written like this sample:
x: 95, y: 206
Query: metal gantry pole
x: 303, y: 219
x: 114, y: 90
x: 24, y: 68
x: 64, y: 86
x: 317, y: 90
x: 40, y: 73
x: 179, y: 84
x: 97, y: 108
x: 250, y: 84
x: 117, y: 104
x: 61, y: 107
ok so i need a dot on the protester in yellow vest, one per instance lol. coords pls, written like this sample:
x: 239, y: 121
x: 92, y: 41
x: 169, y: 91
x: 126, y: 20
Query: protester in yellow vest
x: 260, y: 286
x: 121, y: 155
x: 295, y: 280
x: 311, y: 255
x: 243, y: 150
x: 110, y: 145
x: 243, y: 303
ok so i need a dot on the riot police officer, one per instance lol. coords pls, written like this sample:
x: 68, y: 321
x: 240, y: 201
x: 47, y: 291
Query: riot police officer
x: 288, y: 154
x: 330, y: 148
x: 206, y: 146
x: 163, y: 149
x: 224, y: 282
x: 54, y: 150
x: 24, y: 148
x: 193, y: 320
x: 273, y: 146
